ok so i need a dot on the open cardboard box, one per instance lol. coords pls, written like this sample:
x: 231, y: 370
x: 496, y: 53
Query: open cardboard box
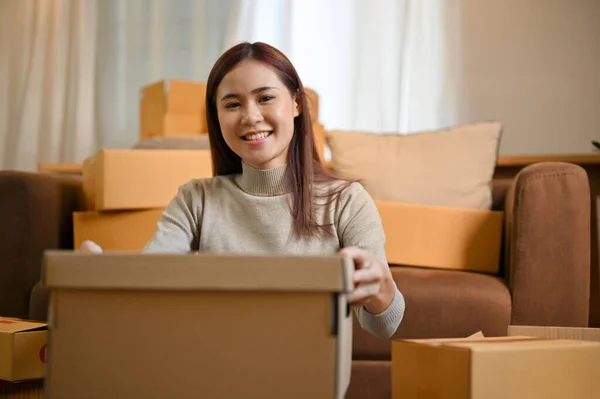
x: 198, y: 325
x: 531, y: 362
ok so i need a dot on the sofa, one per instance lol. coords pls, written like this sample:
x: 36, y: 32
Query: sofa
x: 544, y: 274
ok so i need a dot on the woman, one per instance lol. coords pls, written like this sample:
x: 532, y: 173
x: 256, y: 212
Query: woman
x: 270, y: 192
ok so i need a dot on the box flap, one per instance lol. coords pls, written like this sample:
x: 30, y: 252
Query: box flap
x: 12, y: 325
x: 578, y: 333
x: 501, y: 343
x: 202, y: 271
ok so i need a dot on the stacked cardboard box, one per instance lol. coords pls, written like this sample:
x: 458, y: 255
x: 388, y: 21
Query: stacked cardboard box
x: 417, y: 235
x: 126, y: 192
x: 172, y: 108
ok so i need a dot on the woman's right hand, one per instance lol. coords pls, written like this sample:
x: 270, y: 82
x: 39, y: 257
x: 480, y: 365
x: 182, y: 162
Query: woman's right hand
x: 90, y: 247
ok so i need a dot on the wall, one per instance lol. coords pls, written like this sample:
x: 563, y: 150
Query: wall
x: 535, y: 66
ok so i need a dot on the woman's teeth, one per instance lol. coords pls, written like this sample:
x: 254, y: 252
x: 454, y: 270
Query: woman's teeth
x: 256, y: 136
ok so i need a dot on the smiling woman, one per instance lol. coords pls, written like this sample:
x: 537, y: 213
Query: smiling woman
x: 257, y: 123
x: 270, y: 192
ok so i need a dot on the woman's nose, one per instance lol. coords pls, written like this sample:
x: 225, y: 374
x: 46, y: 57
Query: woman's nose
x: 252, y: 115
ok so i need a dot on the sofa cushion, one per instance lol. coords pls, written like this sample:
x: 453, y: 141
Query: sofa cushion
x: 441, y: 304
x: 449, y: 167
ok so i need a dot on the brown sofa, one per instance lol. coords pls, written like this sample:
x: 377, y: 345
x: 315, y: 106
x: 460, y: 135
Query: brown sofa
x: 544, y: 279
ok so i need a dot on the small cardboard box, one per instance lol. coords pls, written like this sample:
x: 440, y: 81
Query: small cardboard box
x: 116, y: 230
x: 173, y: 108
x: 22, y: 349
x: 495, y: 368
x: 198, y: 325
x: 442, y: 237
x: 140, y: 179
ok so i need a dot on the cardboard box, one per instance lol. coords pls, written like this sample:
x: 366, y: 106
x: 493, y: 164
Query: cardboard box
x: 442, y: 237
x: 549, y: 332
x: 140, y: 179
x: 495, y: 368
x: 116, y: 230
x: 173, y: 108
x: 313, y: 104
x: 201, y: 325
x: 319, y: 137
x: 22, y: 349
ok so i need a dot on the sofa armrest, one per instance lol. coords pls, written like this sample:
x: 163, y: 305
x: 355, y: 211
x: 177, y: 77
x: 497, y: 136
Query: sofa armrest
x: 36, y: 214
x: 547, y: 227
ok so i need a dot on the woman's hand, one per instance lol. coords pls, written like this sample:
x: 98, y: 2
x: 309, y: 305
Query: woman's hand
x: 374, y: 286
x: 90, y: 247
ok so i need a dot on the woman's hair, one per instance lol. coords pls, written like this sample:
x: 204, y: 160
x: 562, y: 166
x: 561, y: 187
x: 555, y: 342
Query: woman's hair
x: 304, y: 166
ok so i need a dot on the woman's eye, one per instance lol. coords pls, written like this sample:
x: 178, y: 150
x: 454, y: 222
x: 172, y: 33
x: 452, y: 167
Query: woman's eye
x: 232, y: 105
x: 265, y: 99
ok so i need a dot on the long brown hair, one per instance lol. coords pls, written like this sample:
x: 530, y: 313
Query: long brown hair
x: 304, y: 164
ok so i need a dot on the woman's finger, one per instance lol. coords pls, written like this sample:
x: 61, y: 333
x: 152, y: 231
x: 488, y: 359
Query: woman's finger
x: 362, y: 292
x: 91, y: 247
x: 362, y: 259
x: 369, y: 275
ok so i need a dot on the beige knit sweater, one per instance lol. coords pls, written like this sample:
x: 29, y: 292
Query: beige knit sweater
x: 249, y: 213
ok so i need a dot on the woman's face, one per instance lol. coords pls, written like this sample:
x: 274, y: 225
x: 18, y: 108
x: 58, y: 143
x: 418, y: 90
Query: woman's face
x: 256, y: 114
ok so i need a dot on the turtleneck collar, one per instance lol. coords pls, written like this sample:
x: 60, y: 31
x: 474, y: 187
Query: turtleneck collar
x: 263, y: 183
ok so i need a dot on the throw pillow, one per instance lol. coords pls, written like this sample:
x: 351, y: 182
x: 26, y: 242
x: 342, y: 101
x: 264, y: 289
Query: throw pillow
x: 450, y: 167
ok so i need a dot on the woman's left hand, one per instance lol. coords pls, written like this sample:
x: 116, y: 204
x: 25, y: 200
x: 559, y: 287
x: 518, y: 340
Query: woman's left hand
x: 374, y: 285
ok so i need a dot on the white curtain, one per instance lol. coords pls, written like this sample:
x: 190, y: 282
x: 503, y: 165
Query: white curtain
x: 47, y: 91
x: 144, y: 41
x: 378, y: 66
x: 71, y: 70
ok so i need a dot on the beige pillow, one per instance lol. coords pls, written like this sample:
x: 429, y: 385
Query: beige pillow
x: 451, y: 167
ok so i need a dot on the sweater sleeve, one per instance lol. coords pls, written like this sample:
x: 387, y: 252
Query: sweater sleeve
x: 359, y: 224
x: 177, y: 231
